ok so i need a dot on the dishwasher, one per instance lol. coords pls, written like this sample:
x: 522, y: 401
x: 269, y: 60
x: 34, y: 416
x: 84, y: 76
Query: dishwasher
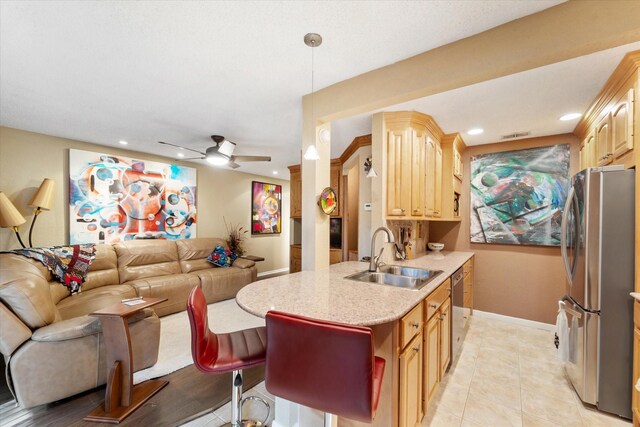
x: 460, y: 314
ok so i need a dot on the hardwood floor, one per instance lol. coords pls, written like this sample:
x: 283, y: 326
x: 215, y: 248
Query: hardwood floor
x: 189, y: 395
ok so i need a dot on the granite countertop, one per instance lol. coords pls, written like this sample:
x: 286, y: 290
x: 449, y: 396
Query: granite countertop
x: 326, y: 294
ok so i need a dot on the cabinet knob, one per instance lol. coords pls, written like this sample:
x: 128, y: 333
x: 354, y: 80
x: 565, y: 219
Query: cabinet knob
x: 416, y: 349
x: 402, y: 210
x: 433, y: 305
x: 415, y: 324
x: 415, y: 210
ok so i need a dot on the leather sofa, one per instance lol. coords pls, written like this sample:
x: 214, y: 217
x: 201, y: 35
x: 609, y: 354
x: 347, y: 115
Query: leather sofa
x: 53, y: 349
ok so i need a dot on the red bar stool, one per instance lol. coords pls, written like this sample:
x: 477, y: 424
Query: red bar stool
x: 220, y: 353
x: 324, y: 365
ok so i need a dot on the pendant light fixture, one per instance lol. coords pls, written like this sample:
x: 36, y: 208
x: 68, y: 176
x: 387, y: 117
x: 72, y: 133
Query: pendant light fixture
x: 312, y: 40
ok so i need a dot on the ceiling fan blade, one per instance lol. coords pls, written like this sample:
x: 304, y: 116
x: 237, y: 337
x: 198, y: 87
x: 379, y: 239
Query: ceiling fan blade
x: 251, y: 158
x: 192, y: 158
x: 180, y: 146
x: 233, y: 165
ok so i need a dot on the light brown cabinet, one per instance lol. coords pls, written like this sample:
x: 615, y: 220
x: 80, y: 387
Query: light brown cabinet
x: 604, y: 154
x: 411, y: 384
x: 622, y: 125
x: 587, y: 151
x: 467, y: 286
x: 295, y: 191
x: 452, y: 147
x: 414, y: 166
x: 398, y: 172
x: 295, y: 258
x: 335, y: 178
x: 437, y: 340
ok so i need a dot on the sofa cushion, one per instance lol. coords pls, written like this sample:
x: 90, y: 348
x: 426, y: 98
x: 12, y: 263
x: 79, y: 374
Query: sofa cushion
x: 175, y: 288
x: 86, y: 302
x: 193, y: 253
x: 223, y: 283
x: 12, y: 331
x: 25, y: 291
x: 139, y: 259
x: 103, y: 270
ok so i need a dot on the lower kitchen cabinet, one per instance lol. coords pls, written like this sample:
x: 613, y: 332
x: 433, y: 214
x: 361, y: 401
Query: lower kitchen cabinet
x: 411, y: 384
x: 437, y: 341
x: 635, y: 402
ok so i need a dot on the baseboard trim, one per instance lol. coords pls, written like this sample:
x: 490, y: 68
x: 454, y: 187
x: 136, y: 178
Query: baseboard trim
x: 514, y: 320
x: 270, y: 272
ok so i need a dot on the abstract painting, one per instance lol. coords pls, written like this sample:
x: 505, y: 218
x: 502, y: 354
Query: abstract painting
x: 116, y: 198
x: 266, y: 208
x: 517, y: 197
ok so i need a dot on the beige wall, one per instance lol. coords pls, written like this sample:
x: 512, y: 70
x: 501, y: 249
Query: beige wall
x: 27, y: 158
x: 518, y: 281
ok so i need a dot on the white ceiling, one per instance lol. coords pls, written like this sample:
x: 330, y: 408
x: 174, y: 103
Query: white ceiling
x: 180, y: 71
x: 531, y: 101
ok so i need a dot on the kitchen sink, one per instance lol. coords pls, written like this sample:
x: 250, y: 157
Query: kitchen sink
x: 397, y: 275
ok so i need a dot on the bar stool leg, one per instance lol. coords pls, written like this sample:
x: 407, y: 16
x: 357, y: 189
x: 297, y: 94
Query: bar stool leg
x: 236, y: 398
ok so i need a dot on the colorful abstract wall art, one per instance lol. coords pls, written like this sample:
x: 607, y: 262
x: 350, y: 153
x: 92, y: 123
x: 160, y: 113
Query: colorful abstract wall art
x: 116, y: 198
x: 517, y: 197
x: 266, y: 208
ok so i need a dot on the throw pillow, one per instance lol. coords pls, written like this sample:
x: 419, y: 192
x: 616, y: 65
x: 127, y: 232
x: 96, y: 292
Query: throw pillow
x: 221, y: 257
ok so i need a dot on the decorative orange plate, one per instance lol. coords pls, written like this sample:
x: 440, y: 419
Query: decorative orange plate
x: 328, y: 200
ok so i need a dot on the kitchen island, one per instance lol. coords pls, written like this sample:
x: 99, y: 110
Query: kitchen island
x: 397, y: 317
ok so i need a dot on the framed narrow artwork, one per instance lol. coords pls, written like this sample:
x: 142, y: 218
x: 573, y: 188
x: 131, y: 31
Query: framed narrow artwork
x: 266, y: 208
x: 116, y: 198
x: 517, y: 197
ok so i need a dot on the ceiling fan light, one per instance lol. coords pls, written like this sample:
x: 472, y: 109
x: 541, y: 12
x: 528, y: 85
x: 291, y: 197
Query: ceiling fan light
x: 226, y: 148
x: 217, y: 160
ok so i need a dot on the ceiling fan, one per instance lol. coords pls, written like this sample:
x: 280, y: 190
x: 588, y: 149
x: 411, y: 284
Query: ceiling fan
x: 222, y: 153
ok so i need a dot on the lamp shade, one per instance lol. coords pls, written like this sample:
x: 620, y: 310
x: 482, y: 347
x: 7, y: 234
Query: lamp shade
x: 9, y: 215
x: 43, y: 198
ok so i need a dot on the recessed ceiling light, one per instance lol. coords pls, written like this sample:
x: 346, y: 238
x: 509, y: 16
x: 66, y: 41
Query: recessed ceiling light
x: 570, y: 116
x: 475, y: 131
x: 275, y: 172
x: 123, y: 142
x: 180, y: 155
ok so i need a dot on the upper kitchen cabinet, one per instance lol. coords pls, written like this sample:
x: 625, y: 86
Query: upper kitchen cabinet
x: 335, y: 176
x: 452, y: 172
x: 607, y: 130
x: 295, y: 192
x: 414, y: 166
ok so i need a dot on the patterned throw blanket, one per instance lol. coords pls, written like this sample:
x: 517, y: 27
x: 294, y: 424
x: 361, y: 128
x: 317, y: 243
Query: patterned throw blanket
x: 69, y: 264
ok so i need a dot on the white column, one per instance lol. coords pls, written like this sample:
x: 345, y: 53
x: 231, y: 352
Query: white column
x: 315, y: 177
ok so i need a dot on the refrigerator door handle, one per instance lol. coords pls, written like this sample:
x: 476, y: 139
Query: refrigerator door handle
x: 569, y: 310
x: 563, y: 235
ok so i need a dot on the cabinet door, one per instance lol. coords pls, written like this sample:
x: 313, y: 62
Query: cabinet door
x: 295, y: 195
x: 417, y: 174
x: 335, y: 176
x: 410, y: 384
x: 457, y: 164
x: 445, y: 336
x: 635, y: 406
x: 431, y: 359
x: 438, y: 182
x: 604, y: 153
x: 430, y: 182
x: 622, y: 125
x: 398, y: 173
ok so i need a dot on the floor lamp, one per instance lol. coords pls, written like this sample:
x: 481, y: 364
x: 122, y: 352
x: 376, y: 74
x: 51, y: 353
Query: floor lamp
x: 9, y: 216
x: 42, y: 201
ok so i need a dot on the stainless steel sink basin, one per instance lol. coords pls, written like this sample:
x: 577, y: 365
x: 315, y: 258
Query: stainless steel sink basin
x: 397, y: 275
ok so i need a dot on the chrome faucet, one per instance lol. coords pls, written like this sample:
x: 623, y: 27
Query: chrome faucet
x: 374, y: 263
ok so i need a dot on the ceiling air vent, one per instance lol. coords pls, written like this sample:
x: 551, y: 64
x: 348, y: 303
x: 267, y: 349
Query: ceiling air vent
x: 515, y: 135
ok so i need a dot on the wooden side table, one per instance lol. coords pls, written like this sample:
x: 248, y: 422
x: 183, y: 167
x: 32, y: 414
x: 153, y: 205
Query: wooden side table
x: 122, y: 397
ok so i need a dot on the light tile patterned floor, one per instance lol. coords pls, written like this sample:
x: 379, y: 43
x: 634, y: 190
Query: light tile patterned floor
x: 507, y: 375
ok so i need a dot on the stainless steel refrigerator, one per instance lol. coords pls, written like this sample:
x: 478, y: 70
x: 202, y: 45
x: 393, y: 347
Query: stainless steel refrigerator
x: 598, y: 253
